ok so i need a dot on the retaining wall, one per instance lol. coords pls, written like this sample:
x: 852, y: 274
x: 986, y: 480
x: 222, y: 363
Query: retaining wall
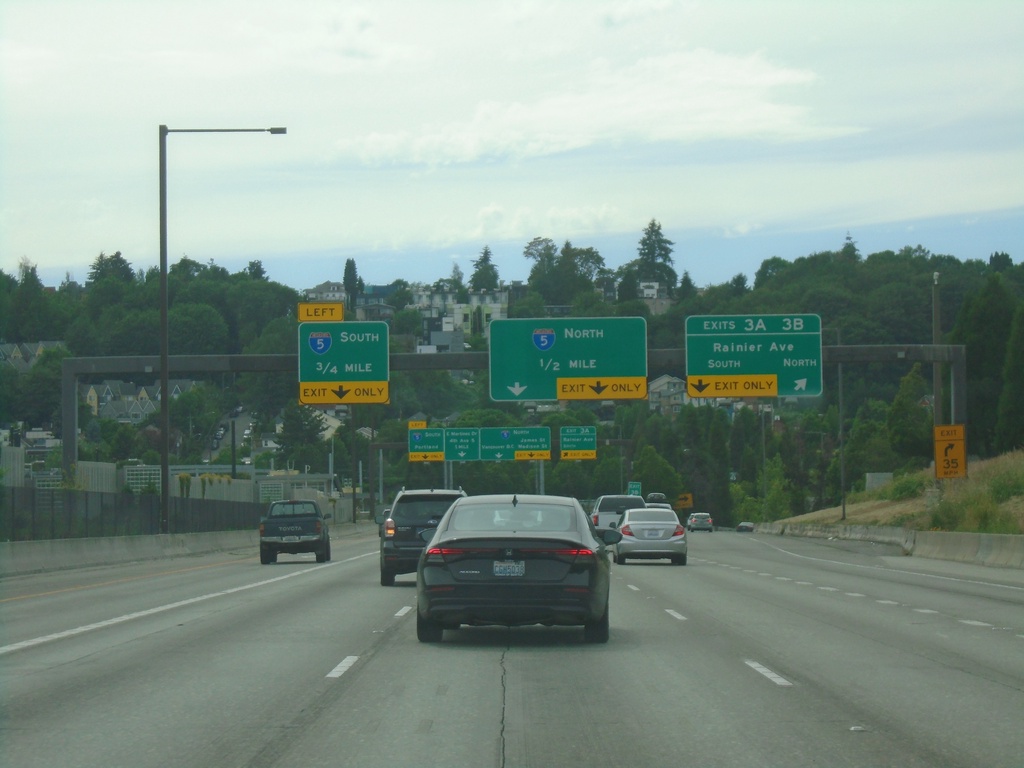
x: 992, y: 549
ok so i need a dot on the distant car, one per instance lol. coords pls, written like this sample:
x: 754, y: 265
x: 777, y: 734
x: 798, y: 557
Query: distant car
x: 608, y: 509
x: 650, y: 533
x: 658, y: 505
x: 514, y: 560
x: 657, y: 497
x: 700, y: 521
x: 745, y: 527
x: 410, y: 514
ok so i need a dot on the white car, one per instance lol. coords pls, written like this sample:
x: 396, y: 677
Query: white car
x: 650, y: 533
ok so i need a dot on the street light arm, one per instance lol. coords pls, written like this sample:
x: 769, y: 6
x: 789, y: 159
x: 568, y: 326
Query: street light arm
x: 165, y: 419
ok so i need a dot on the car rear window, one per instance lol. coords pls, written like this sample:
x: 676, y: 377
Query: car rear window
x: 620, y: 503
x: 412, y: 509
x: 651, y: 516
x: 505, y: 517
x: 292, y: 510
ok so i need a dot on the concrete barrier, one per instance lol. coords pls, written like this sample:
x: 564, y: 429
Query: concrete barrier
x: 23, y: 557
x: 991, y: 549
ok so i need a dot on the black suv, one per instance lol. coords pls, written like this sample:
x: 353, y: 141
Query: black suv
x: 411, y: 513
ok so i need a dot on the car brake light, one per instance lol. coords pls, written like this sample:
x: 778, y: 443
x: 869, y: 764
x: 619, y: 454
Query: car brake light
x: 263, y: 529
x: 679, y: 531
x: 595, y: 519
x: 389, y: 528
x: 626, y: 530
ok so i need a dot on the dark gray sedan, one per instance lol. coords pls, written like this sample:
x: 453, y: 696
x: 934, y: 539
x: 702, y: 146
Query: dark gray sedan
x: 512, y: 560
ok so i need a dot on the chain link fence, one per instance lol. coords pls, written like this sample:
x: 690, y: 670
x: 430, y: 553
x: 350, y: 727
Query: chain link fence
x: 28, y: 513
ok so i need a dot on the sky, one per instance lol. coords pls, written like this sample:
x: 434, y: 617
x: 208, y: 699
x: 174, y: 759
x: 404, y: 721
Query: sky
x: 421, y: 131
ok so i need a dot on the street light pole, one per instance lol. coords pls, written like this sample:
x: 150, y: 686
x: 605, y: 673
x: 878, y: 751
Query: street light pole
x: 165, y: 417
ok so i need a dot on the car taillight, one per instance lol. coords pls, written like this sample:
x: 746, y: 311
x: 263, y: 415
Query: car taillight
x: 595, y: 519
x: 679, y: 531
x: 263, y: 529
x: 389, y: 528
x: 626, y: 530
x: 319, y: 527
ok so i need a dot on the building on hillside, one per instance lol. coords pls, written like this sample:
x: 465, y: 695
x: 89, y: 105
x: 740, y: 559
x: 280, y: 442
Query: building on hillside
x: 23, y: 356
x: 126, y: 402
x: 667, y: 395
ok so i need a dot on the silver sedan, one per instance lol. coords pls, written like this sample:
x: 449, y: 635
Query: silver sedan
x: 651, y: 534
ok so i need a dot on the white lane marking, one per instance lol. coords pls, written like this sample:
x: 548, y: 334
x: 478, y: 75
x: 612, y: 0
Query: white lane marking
x: 805, y: 583
x: 829, y: 589
x: 886, y: 602
x: 890, y: 569
x: 764, y: 574
x: 342, y: 668
x: 775, y: 678
x: 854, y: 594
x: 675, y: 615
x: 973, y: 623
x: 782, y: 578
x: 158, y: 609
x: 633, y: 587
x: 924, y: 610
x: 404, y: 611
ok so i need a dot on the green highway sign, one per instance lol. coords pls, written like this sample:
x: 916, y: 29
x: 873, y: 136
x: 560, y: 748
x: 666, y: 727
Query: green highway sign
x: 462, y: 444
x: 584, y: 358
x: 737, y: 355
x: 342, y: 363
x: 577, y: 442
x: 426, y: 445
x: 515, y: 443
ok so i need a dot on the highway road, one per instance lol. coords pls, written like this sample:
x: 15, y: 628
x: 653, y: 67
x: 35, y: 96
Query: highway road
x: 762, y: 651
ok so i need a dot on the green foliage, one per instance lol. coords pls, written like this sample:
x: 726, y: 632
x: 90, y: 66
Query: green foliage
x: 980, y: 326
x: 485, y: 274
x: 905, y: 487
x: 908, y: 423
x: 656, y: 474
x: 1010, y: 413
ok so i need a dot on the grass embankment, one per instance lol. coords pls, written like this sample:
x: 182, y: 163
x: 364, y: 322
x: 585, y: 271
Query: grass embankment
x: 989, y: 500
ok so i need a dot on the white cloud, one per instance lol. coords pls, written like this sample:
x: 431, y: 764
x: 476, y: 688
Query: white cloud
x: 452, y: 124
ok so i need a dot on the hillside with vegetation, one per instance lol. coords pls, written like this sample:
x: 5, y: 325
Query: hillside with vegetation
x: 990, y: 500
x: 765, y: 459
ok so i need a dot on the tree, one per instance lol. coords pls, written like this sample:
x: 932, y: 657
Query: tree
x: 485, y: 274
x: 656, y: 474
x: 1010, y: 419
x: 908, y: 423
x: 255, y: 270
x: 114, y: 266
x: 401, y: 295
x: 300, y: 439
x: 197, y: 329
x: 654, y: 261
x: 351, y: 282
x: 39, y: 398
x: 979, y: 326
x: 30, y: 314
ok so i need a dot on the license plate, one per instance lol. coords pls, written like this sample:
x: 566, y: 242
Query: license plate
x: 291, y: 538
x: 509, y: 567
x: 653, y: 533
